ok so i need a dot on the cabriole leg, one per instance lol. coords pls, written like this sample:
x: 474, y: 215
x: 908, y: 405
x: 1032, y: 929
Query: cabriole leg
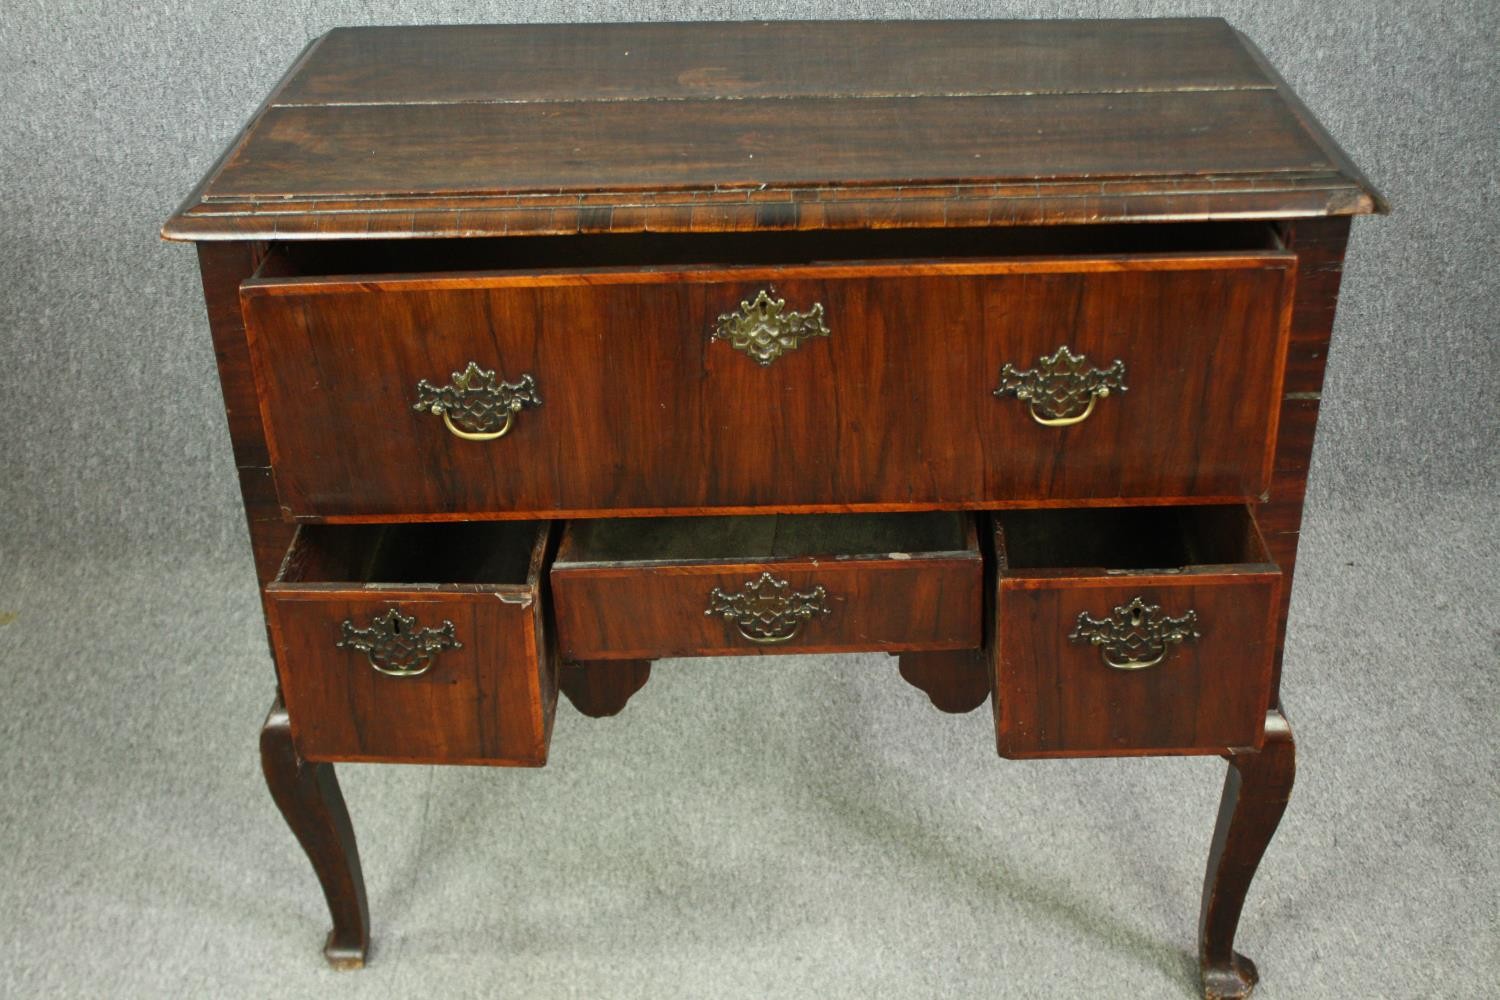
x: 1256, y: 790
x: 309, y: 798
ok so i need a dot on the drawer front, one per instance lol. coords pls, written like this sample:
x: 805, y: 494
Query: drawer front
x: 907, y: 598
x: 425, y: 674
x: 843, y: 385
x: 488, y: 700
x: 650, y: 612
x: 1131, y: 662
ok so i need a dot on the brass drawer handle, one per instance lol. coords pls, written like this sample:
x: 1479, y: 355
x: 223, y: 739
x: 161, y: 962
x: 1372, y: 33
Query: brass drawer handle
x: 768, y: 611
x: 395, y: 646
x: 765, y: 329
x: 1061, y: 390
x: 1137, y: 635
x: 476, y: 405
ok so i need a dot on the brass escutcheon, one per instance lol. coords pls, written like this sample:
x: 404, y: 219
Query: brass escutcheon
x: 1061, y: 390
x: 765, y: 329
x: 1136, y: 635
x: 767, y: 610
x: 476, y: 405
x: 395, y: 646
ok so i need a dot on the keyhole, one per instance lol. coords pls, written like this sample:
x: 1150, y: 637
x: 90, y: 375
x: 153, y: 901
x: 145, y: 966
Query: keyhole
x: 1135, y: 616
x: 396, y: 627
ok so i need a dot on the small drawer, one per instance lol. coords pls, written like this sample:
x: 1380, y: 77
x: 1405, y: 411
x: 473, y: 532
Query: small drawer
x: 1132, y: 631
x: 642, y: 588
x: 416, y: 643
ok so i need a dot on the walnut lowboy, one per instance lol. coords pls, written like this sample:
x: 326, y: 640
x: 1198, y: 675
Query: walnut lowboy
x: 1002, y: 354
x: 1131, y: 398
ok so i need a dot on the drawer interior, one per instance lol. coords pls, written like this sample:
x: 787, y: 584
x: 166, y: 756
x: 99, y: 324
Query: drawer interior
x: 641, y: 250
x: 482, y: 553
x: 1128, y: 539
x: 763, y: 538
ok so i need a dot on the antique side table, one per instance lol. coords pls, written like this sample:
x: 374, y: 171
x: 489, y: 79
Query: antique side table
x: 997, y: 346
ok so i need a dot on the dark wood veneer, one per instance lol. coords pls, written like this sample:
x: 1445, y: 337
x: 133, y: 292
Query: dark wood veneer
x: 617, y: 146
x: 642, y: 411
x: 489, y: 701
x: 548, y: 63
x: 1319, y: 245
x: 1057, y: 698
x: 704, y: 128
x: 892, y: 582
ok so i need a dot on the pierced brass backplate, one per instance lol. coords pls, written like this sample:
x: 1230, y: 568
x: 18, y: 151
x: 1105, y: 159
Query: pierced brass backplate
x: 394, y: 644
x: 476, y: 405
x: 765, y: 329
x: 767, y: 610
x: 1137, y: 635
x: 1062, y: 389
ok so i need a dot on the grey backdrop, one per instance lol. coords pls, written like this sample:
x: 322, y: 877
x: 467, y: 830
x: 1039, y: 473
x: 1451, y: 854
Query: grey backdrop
x: 802, y: 826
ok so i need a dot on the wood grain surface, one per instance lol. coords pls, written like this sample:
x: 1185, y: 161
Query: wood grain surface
x: 490, y: 701
x: 643, y: 411
x: 1057, y: 698
x: 900, y: 597
x: 793, y: 125
x: 528, y: 63
x: 1319, y: 245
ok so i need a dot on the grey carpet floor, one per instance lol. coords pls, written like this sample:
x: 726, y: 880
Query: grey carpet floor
x: 780, y: 827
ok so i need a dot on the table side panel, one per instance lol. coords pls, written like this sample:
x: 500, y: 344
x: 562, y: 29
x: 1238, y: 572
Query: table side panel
x: 1320, y: 245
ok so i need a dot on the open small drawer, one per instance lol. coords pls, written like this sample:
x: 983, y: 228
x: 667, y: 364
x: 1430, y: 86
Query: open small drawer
x: 641, y: 588
x: 1132, y: 631
x: 417, y: 643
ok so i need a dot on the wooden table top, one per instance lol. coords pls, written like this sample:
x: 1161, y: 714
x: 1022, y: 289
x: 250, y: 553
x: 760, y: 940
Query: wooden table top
x: 556, y: 129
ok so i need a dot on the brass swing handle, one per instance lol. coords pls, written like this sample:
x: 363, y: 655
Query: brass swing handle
x: 395, y: 646
x: 477, y: 405
x: 1062, y: 389
x: 1136, y: 635
x: 767, y: 611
